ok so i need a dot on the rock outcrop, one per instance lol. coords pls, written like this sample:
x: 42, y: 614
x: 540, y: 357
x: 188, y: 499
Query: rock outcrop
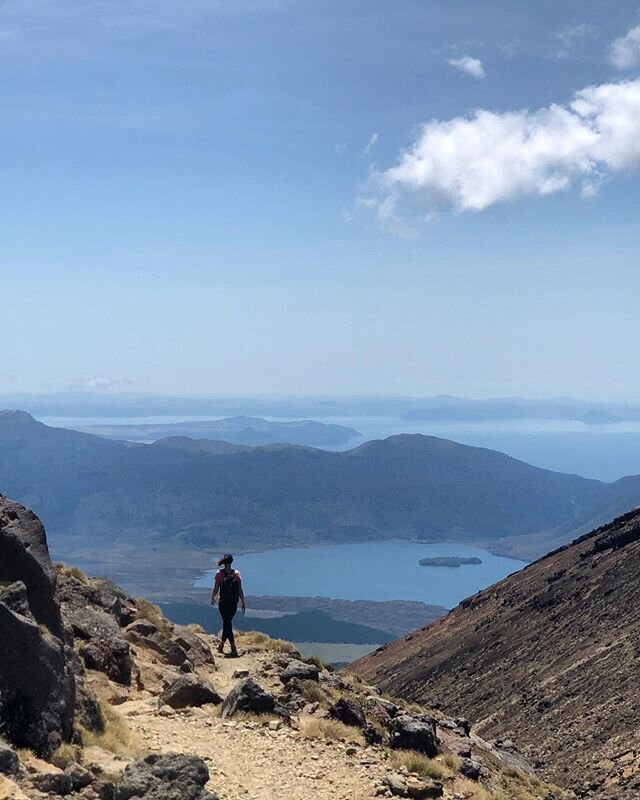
x: 37, y: 685
x: 24, y: 556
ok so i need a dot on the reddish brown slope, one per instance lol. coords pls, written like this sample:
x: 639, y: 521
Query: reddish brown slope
x: 549, y: 656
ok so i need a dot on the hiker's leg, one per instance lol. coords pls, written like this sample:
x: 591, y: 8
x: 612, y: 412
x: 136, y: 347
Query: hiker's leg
x: 223, y: 638
x: 230, y: 636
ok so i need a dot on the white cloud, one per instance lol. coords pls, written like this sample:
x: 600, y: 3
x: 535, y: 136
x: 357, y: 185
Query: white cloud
x: 469, y: 66
x: 471, y: 163
x: 103, y: 383
x: 625, y: 51
x: 370, y: 144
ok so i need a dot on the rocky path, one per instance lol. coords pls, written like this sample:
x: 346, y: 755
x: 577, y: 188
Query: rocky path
x: 249, y: 760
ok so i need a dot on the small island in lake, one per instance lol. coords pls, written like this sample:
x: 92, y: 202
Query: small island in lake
x: 448, y: 561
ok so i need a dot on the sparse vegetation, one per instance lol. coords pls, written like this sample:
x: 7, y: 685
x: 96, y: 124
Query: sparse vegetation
x: 419, y: 763
x: 65, y: 754
x: 263, y: 642
x: 116, y: 737
x: 74, y: 572
x: 313, y: 728
x: 152, y: 613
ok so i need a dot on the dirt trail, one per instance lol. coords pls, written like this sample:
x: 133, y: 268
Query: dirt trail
x: 247, y: 759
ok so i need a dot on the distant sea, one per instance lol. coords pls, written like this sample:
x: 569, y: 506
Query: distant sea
x: 387, y: 570
x: 606, y: 452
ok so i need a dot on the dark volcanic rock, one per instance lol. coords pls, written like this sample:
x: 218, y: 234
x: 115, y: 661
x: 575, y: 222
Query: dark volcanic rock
x: 190, y: 690
x: 348, y: 711
x: 15, y: 597
x: 9, y: 761
x: 102, y: 647
x: 57, y: 783
x: 300, y: 671
x: 470, y: 769
x: 37, y: 687
x: 165, y: 777
x: 414, y: 733
x: 24, y: 556
x: 247, y: 695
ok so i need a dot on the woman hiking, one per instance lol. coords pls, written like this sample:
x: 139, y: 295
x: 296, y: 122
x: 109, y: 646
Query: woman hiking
x: 228, y: 584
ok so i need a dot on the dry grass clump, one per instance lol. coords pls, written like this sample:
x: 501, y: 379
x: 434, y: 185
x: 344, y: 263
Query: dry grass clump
x: 313, y: 728
x: 116, y: 737
x: 74, y: 572
x: 263, y: 642
x: 153, y: 614
x: 470, y: 790
x: 65, y: 754
x: 452, y: 761
x: 419, y: 763
x: 195, y: 627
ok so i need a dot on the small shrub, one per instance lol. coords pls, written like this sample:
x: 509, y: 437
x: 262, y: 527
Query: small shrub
x: 313, y: 728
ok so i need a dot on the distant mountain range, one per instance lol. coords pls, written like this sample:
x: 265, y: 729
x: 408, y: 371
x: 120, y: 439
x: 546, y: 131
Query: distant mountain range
x: 407, y: 486
x: 438, y: 408
x: 548, y: 656
x: 241, y: 430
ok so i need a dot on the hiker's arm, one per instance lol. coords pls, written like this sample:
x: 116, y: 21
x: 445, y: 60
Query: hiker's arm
x: 241, y: 593
x: 216, y: 589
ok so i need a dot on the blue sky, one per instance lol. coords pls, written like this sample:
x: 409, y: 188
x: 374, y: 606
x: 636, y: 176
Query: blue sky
x: 303, y: 197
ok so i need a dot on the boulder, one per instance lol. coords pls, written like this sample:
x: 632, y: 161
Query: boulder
x: 24, y: 556
x: 146, y: 634
x: 389, y: 708
x: 9, y: 761
x: 197, y: 650
x: 189, y: 690
x: 300, y: 671
x: 348, y: 711
x: 414, y: 733
x: 165, y: 777
x: 247, y: 695
x: 372, y: 735
x: 37, y: 685
x: 80, y: 777
x: 470, y: 769
x: 101, y: 647
x: 57, y: 783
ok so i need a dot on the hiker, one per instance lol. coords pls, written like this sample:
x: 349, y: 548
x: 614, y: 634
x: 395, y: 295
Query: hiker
x: 228, y: 584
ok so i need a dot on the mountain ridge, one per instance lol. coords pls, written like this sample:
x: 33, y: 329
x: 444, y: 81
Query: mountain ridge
x: 551, y: 652
x: 406, y: 486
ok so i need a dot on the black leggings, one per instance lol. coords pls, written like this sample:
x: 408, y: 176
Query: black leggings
x: 227, y: 610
